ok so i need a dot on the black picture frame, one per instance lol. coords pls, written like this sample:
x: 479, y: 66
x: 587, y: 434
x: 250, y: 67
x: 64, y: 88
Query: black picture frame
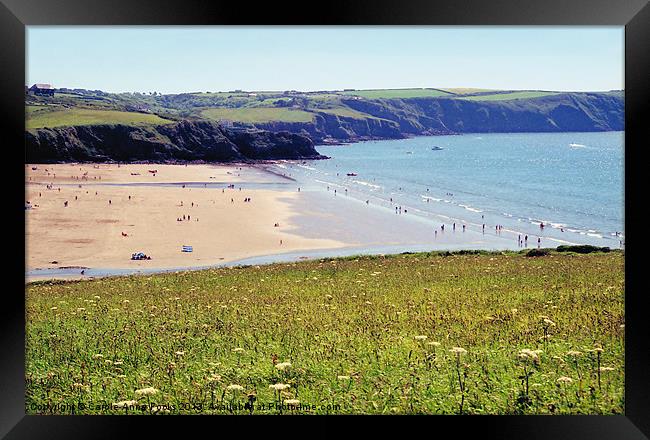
x: 633, y: 14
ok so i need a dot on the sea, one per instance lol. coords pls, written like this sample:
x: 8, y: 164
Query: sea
x: 573, y: 183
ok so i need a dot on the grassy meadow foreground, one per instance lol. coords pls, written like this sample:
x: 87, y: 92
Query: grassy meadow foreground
x: 476, y: 333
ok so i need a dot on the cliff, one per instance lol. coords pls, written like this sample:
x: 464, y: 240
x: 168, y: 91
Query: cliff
x: 398, y: 118
x: 553, y: 113
x: 182, y: 141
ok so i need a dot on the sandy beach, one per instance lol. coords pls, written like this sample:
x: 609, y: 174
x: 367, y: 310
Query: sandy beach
x: 106, y: 220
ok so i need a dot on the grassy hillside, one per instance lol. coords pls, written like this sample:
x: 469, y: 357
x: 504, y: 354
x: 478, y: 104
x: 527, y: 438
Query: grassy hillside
x: 257, y: 114
x: 40, y: 117
x: 421, y: 333
x: 507, y: 96
x: 396, y: 93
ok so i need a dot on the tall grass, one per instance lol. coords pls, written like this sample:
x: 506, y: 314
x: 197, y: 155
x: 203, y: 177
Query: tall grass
x: 419, y: 333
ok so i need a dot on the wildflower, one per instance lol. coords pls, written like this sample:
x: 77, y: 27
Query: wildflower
x: 368, y: 303
x: 98, y: 356
x: 527, y: 353
x: 573, y: 353
x: 235, y: 387
x: 564, y: 379
x: 420, y: 338
x: 96, y: 297
x: 343, y: 377
x: 179, y: 353
x: 597, y: 350
x: 283, y: 365
x: 53, y: 308
x: 126, y: 301
x: 607, y: 369
x: 81, y: 309
x: 458, y: 350
x: 124, y: 403
x: 292, y: 401
x: 149, y: 391
x: 328, y: 296
x: 118, y: 362
x: 238, y: 350
x: 549, y: 322
x: 279, y: 386
x: 434, y: 344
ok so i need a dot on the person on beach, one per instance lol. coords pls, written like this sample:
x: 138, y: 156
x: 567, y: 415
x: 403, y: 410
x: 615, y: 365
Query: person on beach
x: 526, y: 240
x: 183, y: 216
x: 65, y: 203
x: 442, y: 228
x: 280, y: 242
x: 367, y: 202
x: 109, y: 201
x: 298, y: 189
x: 453, y: 228
x: 484, y: 228
x: 463, y: 228
x: 129, y: 197
x: 539, y: 242
x: 435, y: 233
x: 232, y: 200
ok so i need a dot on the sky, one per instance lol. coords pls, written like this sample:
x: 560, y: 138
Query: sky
x: 265, y: 58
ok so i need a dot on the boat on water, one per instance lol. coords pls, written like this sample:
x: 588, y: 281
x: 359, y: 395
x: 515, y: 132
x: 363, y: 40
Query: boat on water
x: 435, y: 148
x: 352, y: 174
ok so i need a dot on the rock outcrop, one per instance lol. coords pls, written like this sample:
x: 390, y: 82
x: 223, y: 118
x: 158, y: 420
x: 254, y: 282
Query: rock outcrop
x: 183, y: 141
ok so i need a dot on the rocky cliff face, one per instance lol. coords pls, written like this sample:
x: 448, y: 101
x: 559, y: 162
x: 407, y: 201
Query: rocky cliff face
x: 183, y: 141
x: 553, y: 113
x: 398, y: 118
x: 329, y: 127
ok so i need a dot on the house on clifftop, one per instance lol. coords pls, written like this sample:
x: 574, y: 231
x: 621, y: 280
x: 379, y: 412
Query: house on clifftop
x: 42, y: 89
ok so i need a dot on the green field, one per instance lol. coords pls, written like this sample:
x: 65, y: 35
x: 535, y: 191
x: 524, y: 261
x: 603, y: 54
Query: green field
x: 508, y: 96
x: 396, y: 93
x: 254, y: 114
x: 467, y: 90
x: 347, y: 112
x: 41, y: 117
x: 491, y: 333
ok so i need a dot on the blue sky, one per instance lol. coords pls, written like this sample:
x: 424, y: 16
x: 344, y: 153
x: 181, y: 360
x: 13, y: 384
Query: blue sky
x: 219, y: 58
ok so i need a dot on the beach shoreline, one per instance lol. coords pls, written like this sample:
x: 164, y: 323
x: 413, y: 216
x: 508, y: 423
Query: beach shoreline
x: 113, y: 211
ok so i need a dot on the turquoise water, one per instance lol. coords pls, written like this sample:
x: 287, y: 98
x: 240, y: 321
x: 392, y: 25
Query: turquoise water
x: 572, y: 182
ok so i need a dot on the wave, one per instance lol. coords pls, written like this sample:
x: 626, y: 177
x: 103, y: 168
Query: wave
x: 361, y: 182
x: 469, y: 208
x: 577, y: 145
